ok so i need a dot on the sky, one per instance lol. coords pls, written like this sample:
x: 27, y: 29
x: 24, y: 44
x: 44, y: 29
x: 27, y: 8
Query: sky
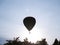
x: 46, y: 13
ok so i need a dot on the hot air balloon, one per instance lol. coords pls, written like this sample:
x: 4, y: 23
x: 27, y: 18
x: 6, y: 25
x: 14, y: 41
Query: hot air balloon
x: 29, y: 22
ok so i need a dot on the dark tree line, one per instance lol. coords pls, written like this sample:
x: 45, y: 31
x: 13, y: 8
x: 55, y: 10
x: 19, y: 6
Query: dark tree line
x: 56, y: 42
x: 16, y: 41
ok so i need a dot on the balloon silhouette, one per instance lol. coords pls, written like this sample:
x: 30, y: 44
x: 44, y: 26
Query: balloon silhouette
x: 29, y: 22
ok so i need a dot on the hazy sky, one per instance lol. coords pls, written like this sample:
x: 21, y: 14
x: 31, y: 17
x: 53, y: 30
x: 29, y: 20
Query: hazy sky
x: 46, y: 12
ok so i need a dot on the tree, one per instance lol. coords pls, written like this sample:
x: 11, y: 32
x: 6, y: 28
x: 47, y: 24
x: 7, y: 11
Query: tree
x: 59, y: 42
x: 43, y: 42
x: 13, y: 42
x: 26, y: 41
x: 55, y: 42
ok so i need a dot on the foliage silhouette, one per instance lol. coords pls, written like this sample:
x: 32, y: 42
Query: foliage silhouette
x: 43, y: 42
x: 56, y: 42
x: 13, y: 42
x: 16, y: 41
x: 59, y: 42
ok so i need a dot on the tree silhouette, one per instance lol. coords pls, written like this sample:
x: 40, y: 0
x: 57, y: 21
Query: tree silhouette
x: 59, y: 42
x: 13, y: 42
x: 55, y: 42
x: 16, y: 41
x: 43, y: 42
x: 26, y: 41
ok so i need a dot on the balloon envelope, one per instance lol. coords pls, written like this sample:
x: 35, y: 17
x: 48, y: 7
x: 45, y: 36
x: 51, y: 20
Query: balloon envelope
x: 29, y: 22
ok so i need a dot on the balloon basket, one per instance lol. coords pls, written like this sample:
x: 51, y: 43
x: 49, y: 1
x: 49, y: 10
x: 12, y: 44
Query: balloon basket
x: 29, y: 32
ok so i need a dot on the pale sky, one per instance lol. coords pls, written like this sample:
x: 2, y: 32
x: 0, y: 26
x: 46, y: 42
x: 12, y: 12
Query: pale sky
x: 46, y: 13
